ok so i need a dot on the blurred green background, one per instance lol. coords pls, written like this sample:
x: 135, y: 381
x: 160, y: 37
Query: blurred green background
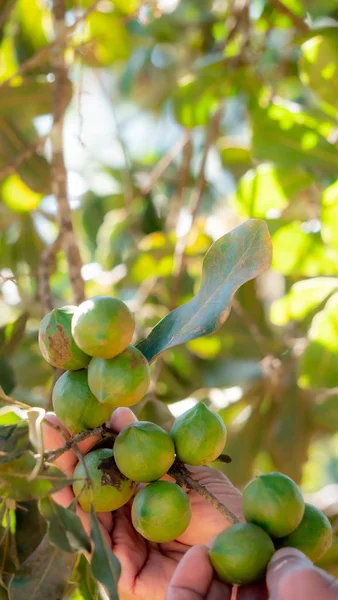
x: 185, y: 118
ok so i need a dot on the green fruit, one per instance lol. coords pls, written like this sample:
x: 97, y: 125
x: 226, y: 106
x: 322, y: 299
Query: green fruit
x: 275, y: 503
x: 75, y: 405
x: 109, y: 490
x: 313, y: 536
x: 103, y: 326
x: 56, y: 342
x: 199, y: 435
x: 241, y: 553
x: 161, y: 512
x: 120, y: 381
x: 143, y: 451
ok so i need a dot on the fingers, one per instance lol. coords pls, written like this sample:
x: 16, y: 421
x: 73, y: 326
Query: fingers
x: 291, y: 576
x: 207, y: 521
x: 193, y: 578
x: 120, y: 418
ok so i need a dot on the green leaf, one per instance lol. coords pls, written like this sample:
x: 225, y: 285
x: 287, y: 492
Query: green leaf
x: 299, y: 252
x: 319, y: 363
x: 194, y: 103
x: 244, y: 443
x: 14, y: 438
x: 30, y: 529
x: 16, y: 482
x: 284, y: 134
x: 11, y: 335
x: 269, y: 188
x: 10, y: 415
x: 7, y: 376
x: 35, y: 170
x: 65, y: 529
x: 318, y: 65
x: 83, y: 577
x: 288, y: 437
x: 302, y: 299
x: 235, y: 258
x: 32, y: 98
x: 105, y: 566
x: 325, y: 414
x: 45, y: 574
x: 18, y: 196
x: 329, y: 215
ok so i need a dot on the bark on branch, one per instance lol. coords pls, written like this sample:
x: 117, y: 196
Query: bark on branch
x: 59, y: 174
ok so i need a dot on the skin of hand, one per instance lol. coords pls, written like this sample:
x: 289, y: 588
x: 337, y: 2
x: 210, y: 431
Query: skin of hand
x: 147, y: 568
x: 290, y: 576
x: 180, y: 570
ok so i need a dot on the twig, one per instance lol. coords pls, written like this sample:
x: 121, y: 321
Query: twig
x: 59, y: 174
x: 195, y: 203
x: 164, y: 163
x: 183, y: 478
x: 34, y: 60
x: 46, y: 267
x: 11, y: 402
x: 297, y: 21
x: 182, y: 182
x: 100, y: 431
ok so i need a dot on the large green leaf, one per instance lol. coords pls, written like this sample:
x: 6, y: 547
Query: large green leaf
x: 319, y: 67
x: 235, y: 258
x: 105, y: 566
x: 319, y: 362
x: 284, y: 134
x: 45, y: 574
x: 302, y: 299
x: 269, y: 188
x: 65, y: 529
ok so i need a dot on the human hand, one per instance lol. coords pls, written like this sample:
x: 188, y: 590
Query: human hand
x: 290, y: 576
x: 147, y: 568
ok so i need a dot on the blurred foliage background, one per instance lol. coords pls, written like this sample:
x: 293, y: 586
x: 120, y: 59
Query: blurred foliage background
x: 185, y: 118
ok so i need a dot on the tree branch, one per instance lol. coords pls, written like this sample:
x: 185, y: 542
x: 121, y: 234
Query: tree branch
x: 45, y: 51
x: 6, y: 12
x: 73, y: 442
x: 297, y: 21
x: 59, y: 174
x: 183, y: 478
x: 182, y: 182
x: 46, y: 267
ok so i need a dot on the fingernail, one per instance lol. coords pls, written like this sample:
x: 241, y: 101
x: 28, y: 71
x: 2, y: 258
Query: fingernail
x: 288, y: 557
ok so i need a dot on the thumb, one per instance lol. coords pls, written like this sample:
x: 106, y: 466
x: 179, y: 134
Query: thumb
x: 291, y: 576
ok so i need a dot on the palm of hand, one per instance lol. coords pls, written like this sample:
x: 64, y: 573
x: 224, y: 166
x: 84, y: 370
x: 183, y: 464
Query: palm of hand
x: 146, y: 567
